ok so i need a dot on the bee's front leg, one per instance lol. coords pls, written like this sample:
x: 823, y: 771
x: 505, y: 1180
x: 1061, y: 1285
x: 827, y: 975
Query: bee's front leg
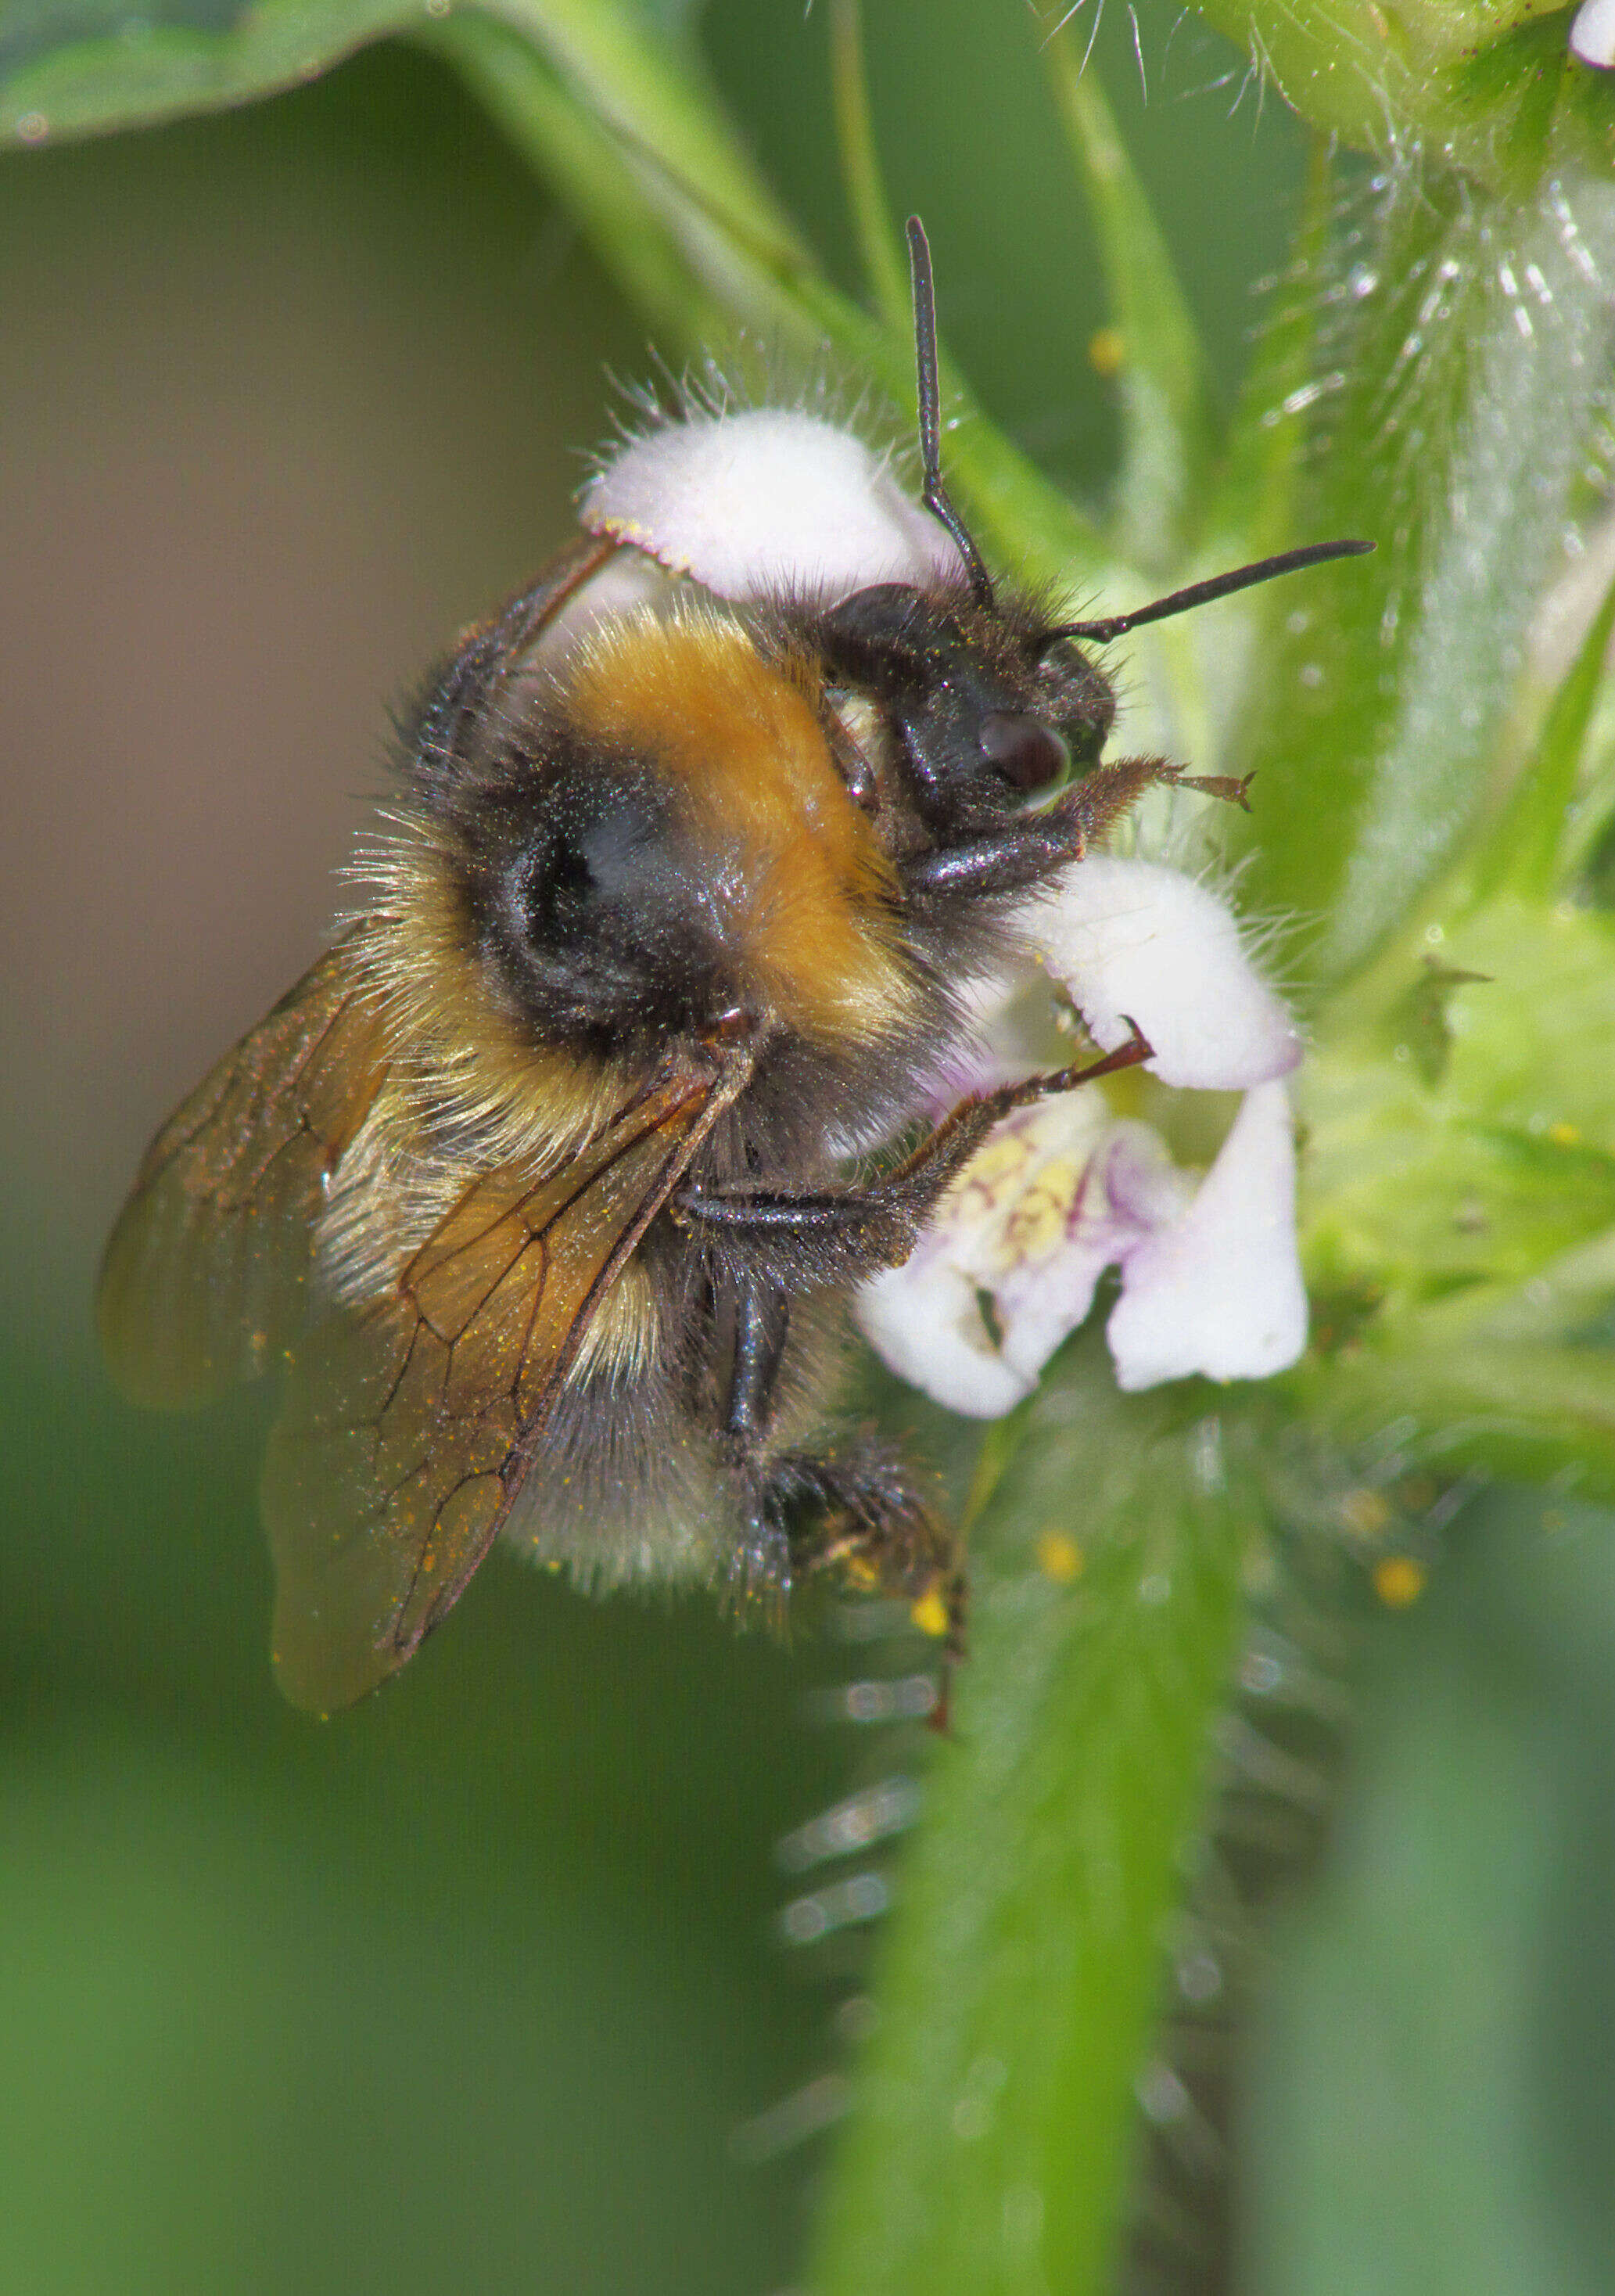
x: 762, y: 1322
x: 841, y: 1234
x: 1027, y: 850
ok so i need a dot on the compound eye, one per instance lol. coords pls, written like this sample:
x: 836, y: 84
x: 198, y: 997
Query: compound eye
x: 1028, y: 753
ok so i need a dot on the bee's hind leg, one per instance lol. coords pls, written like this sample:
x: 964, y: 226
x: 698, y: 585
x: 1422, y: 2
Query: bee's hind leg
x: 857, y: 1508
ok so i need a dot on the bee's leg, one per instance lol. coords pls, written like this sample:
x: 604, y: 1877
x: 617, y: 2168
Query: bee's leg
x: 762, y: 1320
x: 1025, y: 851
x: 761, y: 1317
x: 834, y: 1234
x: 452, y: 709
x: 860, y: 1509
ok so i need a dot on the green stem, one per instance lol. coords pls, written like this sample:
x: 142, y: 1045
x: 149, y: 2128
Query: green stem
x: 884, y: 262
x: 1166, y: 407
x: 700, y: 249
x: 584, y: 166
x: 652, y: 91
x: 989, y: 2153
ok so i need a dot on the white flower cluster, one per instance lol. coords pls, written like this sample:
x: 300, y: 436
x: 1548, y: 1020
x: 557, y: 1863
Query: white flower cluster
x: 757, y: 502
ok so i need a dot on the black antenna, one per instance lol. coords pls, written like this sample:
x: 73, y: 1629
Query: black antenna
x: 931, y: 412
x: 1201, y: 593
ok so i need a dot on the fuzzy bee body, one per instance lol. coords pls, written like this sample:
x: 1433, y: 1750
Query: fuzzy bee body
x: 540, y: 1177
x: 551, y: 1180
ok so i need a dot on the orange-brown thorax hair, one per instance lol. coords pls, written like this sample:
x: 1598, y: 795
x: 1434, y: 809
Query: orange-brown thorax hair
x: 798, y: 881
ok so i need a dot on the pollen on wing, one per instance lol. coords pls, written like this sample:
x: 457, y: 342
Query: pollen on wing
x: 794, y: 869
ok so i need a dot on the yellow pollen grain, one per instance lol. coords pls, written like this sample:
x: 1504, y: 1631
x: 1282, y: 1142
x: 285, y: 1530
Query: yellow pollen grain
x: 1366, y: 1512
x: 1060, y: 1558
x: 1564, y: 1136
x: 1399, y: 1580
x: 929, y: 1614
x: 1037, y: 1222
x: 998, y: 1161
x: 1107, y: 350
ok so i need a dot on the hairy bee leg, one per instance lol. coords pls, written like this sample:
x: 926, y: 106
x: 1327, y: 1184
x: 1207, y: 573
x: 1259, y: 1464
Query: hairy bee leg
x: 1015, y: 857
x: 469, y: 686
x: 760, y: 1311
x: 860, y: 1509
x: 836, y: 1233
x: 1023, y: 851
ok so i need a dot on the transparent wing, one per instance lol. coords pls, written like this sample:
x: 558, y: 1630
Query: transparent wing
x: 409, y: 1425
x: 206, y: 1277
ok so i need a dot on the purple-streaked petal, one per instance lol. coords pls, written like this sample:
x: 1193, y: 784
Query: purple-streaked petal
x: 1132, y: 941
x: 1016, y: 1201
x: 1220, y: 1290
x: 766, y: 500
x: 1129, y: 1188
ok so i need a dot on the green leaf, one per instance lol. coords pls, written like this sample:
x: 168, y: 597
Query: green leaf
x: 74, y: 67
x: 1525, y: 851
x: 1453, y: 403
x: 1457, y: 1398
x: 1022, y: 1980
x: 1167, y: 425
x: 1493, y: 89
x: 1252, y: 511
x: 78, y: 66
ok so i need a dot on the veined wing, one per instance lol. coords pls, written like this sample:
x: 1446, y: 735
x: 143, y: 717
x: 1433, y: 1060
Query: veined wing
x: 206, y: 1277
x: 410, y: 1424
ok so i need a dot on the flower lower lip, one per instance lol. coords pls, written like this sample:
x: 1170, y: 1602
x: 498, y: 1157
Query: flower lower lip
x: 1210, y: 1275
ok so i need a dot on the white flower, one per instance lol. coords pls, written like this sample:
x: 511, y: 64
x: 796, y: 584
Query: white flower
x: 767, y: 499
x: 1210, y: 1278
x: 1219, y: 1290
x: 1132, y: 941
x: 1593, y: 33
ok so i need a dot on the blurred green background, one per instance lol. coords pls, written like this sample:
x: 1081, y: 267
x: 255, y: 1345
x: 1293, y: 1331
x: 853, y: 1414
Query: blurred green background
x: 468, y: 1988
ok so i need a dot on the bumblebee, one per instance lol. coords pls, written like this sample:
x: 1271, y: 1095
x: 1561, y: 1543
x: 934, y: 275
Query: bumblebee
x: 548, y: 1183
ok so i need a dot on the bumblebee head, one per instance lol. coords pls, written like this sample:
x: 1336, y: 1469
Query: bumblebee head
x: 981, y: 710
